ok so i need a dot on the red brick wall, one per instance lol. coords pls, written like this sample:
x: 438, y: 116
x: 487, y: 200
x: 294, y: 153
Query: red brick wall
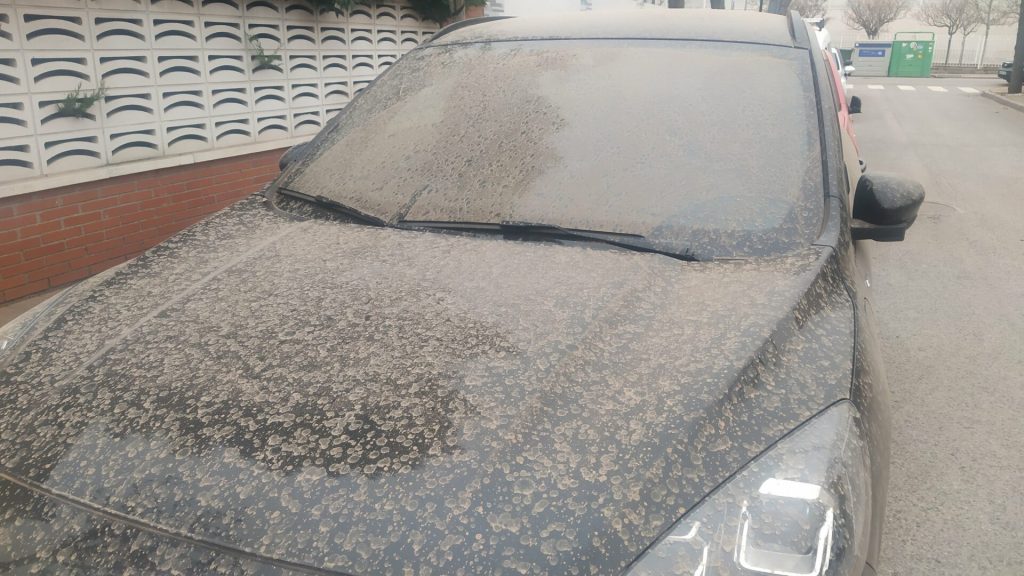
x: 57, y: 236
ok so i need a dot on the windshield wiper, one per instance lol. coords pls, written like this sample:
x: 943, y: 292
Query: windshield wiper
x: 626, y: 241
x: 336, y: 207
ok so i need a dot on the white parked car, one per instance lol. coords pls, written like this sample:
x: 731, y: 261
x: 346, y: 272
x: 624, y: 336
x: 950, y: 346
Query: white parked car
x: 825, y: 43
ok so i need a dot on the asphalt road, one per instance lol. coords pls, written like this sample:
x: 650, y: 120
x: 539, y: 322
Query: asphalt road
x: 950, y: 304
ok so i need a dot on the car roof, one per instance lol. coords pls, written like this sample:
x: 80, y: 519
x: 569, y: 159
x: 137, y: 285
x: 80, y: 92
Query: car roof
x: 711, y: 25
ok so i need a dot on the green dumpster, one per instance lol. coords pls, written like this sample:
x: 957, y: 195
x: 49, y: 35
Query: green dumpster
x: 912, y: 54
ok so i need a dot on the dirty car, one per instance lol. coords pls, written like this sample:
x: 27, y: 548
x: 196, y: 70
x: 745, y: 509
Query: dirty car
x: 552, y: 296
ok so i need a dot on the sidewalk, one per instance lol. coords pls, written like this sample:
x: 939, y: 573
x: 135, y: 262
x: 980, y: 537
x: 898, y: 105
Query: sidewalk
x: 950, y: 75
x: 1015, y: 101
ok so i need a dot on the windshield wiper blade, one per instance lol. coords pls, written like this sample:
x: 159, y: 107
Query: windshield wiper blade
x: 335, y: 206
x: 626, y: 241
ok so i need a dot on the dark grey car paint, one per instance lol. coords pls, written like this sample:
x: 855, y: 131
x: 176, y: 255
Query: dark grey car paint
x: 287, y: 396
x: 366, y: 400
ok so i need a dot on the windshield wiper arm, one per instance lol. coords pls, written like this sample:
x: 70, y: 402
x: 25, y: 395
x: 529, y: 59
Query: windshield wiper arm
x: 626, y: 241
x: 335, y: 206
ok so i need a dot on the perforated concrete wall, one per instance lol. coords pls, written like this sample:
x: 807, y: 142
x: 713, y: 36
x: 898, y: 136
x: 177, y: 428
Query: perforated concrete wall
x: 181, y: 76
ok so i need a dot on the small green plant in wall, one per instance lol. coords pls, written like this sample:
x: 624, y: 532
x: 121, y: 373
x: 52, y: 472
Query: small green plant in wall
x: 336, y: 6
x: 261, y: 59
x: 76, y: 104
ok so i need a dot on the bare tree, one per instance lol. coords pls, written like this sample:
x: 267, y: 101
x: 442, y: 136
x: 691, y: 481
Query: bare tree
x: 810, y: 8
x: 994, y: 13
x: 970, y: 26
x: 952, y: 15
x: 873, y: 15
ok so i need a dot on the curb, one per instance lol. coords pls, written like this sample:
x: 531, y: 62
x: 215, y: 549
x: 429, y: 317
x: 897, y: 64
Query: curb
x: 1019, y: 106
x: 982, y: 76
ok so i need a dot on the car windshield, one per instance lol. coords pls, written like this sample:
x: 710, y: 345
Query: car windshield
x: 704, y: 147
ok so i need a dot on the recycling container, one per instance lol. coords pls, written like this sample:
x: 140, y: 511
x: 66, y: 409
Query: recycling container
x: 871, y: 58
x: 912, y: 54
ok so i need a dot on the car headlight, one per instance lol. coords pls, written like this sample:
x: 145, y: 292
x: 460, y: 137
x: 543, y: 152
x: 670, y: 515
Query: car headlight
x: 800, y: 509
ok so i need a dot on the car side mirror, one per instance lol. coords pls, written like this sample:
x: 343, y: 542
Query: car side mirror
x: 291, y: 155
x: 854, y: 105
x: 849, y: 70
x: 884, y: 207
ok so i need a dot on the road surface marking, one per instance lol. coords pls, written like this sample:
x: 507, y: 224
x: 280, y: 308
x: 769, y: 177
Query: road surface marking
x: 849, y: 86
x: 876, y: 87
x: 937, y: 89
x: 967, y: 90
x: 906, y: 88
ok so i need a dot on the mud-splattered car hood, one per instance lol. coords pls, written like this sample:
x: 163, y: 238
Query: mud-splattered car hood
x: 378, y: 401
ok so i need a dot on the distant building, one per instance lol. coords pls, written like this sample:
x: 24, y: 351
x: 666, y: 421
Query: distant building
x: 494, y: 8
x: 621, y: 4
